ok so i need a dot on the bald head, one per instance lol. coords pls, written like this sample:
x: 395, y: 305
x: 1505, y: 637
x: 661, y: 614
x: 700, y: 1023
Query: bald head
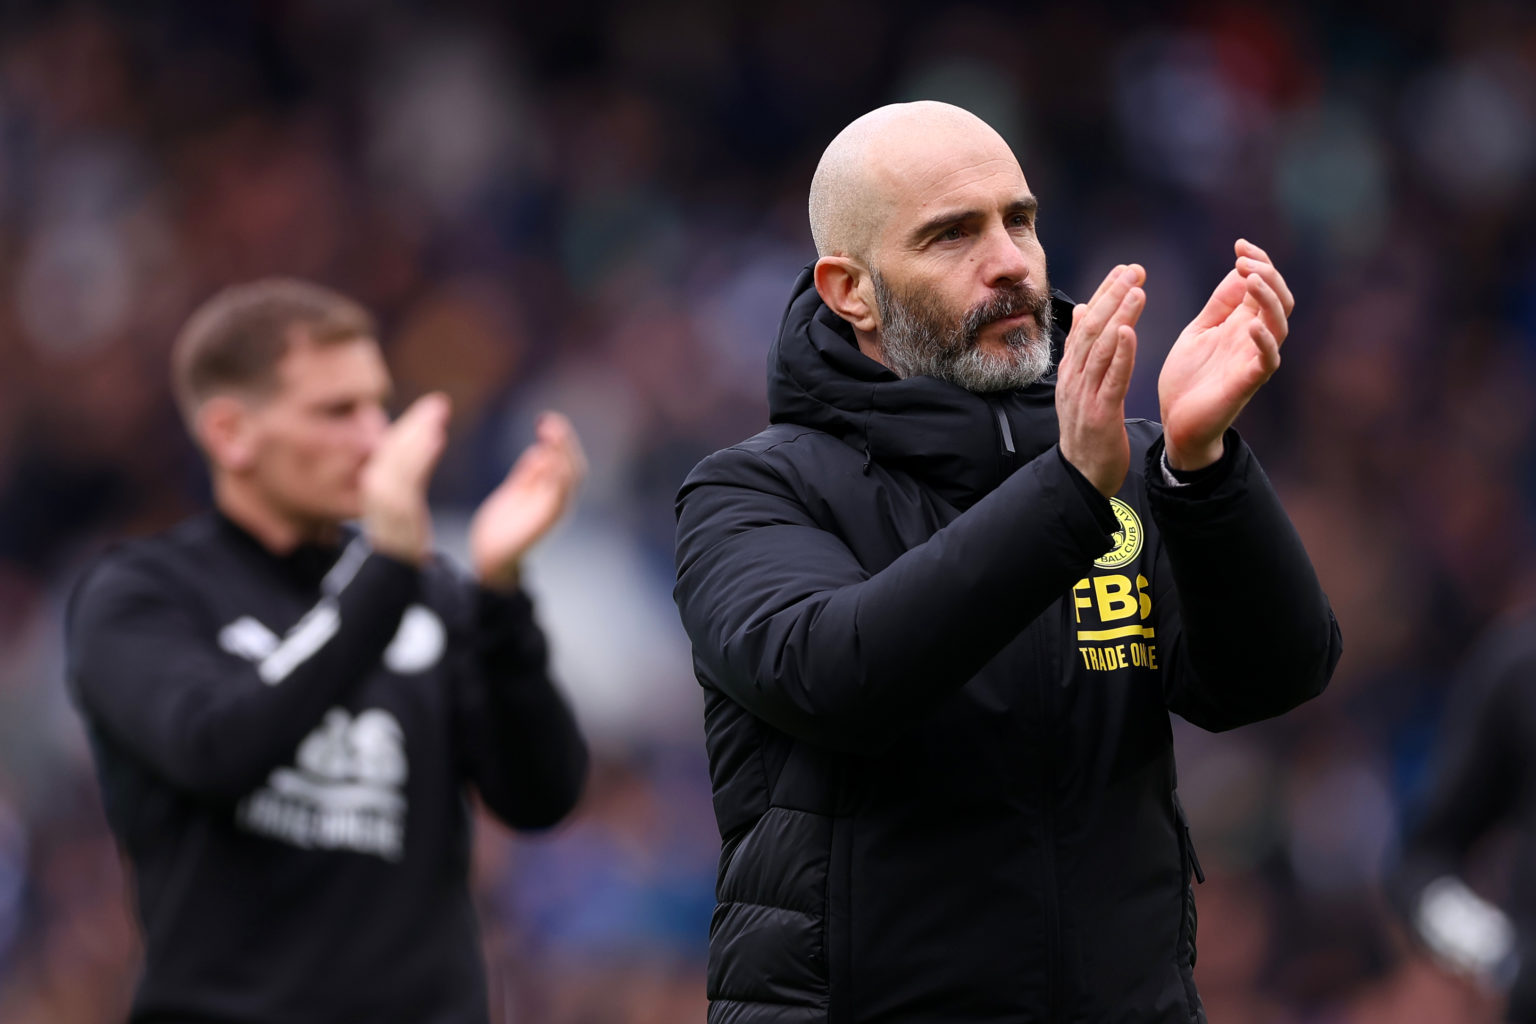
x: 926, y: 243
x: 881, y: 158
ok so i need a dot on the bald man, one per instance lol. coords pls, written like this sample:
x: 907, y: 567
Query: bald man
x: 942, y: 608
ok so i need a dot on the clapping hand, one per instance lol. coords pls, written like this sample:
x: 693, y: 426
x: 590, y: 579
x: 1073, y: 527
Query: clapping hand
x: 394, y: 482
x: 1093, y: 377
x: 1222, y: 358
x: 528, y: 503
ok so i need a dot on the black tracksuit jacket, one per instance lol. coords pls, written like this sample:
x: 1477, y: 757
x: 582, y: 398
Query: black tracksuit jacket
x: 1484, y: 776
x: 938, y: 668
x: 284, y: 745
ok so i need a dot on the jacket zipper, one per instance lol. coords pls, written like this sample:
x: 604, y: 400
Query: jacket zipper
x: 1007, y: 455
x: 1004, y: 429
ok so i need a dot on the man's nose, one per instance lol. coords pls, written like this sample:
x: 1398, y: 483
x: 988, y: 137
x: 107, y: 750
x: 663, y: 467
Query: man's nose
x: 373, y: 423
x: 1003, y: 262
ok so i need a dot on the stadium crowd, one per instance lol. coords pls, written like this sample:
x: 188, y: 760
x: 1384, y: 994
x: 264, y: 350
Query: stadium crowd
x: 599, y: 207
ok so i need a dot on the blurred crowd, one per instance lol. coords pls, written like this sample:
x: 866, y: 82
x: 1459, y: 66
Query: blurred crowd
x: 599, y: 207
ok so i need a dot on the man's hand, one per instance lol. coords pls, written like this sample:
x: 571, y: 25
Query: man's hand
x: 533, y: 497
x: 396, y: 519
x: 1222, y: 358
x: 1095, y: 372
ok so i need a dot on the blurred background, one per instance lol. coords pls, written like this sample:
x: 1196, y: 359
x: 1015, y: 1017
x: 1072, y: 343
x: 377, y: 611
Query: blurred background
x: 600, y: 207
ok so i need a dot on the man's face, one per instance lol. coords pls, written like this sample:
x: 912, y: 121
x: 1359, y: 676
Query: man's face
x: 311, y: 437
x: 959, y: 274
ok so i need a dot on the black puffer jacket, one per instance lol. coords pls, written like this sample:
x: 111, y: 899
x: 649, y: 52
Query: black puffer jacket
x: 938, y: 669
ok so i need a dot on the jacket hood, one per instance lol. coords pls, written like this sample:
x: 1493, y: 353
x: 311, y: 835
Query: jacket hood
x: 960, y: 443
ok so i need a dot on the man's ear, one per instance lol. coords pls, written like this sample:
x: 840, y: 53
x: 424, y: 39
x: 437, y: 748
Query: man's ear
x: 224, y: 429
x: 846, y: 287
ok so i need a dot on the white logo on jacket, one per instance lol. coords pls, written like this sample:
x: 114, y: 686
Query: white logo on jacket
x: 418, y: 644
x: 345, y: 791
x: 246, y: 638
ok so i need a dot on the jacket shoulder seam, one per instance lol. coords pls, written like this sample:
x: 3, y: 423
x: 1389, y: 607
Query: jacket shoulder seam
x: 746, y: 447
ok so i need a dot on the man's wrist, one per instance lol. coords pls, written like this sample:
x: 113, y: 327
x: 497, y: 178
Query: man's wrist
x: 398, y: 530
x: 1192, y: 484
x: 505, y: 579
x: 1169, y: 477
x: 1195, y: 459
x: 409, y: 550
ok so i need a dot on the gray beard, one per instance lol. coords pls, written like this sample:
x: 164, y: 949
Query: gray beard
x: 918, y: 340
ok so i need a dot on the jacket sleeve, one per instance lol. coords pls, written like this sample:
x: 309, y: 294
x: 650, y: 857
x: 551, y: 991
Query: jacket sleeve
x: 786, y: 621
x: 1245, y: 631
x: 523, y: 750
x: 151, y: 675
x: 1475, y: 772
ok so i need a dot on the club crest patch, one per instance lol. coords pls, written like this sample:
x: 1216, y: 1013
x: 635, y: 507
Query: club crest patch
x: 1127, y: 539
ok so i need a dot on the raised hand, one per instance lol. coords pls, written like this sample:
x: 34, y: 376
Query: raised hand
x: 1094, y: 374
x: 1222, y: 358
x: 396, y: 519
x: 531, y: 500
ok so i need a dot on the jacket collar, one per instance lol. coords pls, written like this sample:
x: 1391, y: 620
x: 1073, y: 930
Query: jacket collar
x: 305, y: 565
x: 959, y: 443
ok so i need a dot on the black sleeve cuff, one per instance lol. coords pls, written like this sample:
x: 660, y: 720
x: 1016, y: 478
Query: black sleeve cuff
x: 1197, y: 483
x: 508, y: 636
x: 1103, y: 512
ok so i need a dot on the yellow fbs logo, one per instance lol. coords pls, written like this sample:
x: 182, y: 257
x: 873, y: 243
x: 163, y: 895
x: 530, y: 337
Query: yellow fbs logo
x: 1127, y: 538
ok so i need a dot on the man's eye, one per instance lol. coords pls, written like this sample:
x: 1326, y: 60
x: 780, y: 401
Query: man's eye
x: 952, y: 235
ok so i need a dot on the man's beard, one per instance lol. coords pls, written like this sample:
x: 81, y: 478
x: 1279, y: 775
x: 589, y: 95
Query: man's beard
x: 919, y: 338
